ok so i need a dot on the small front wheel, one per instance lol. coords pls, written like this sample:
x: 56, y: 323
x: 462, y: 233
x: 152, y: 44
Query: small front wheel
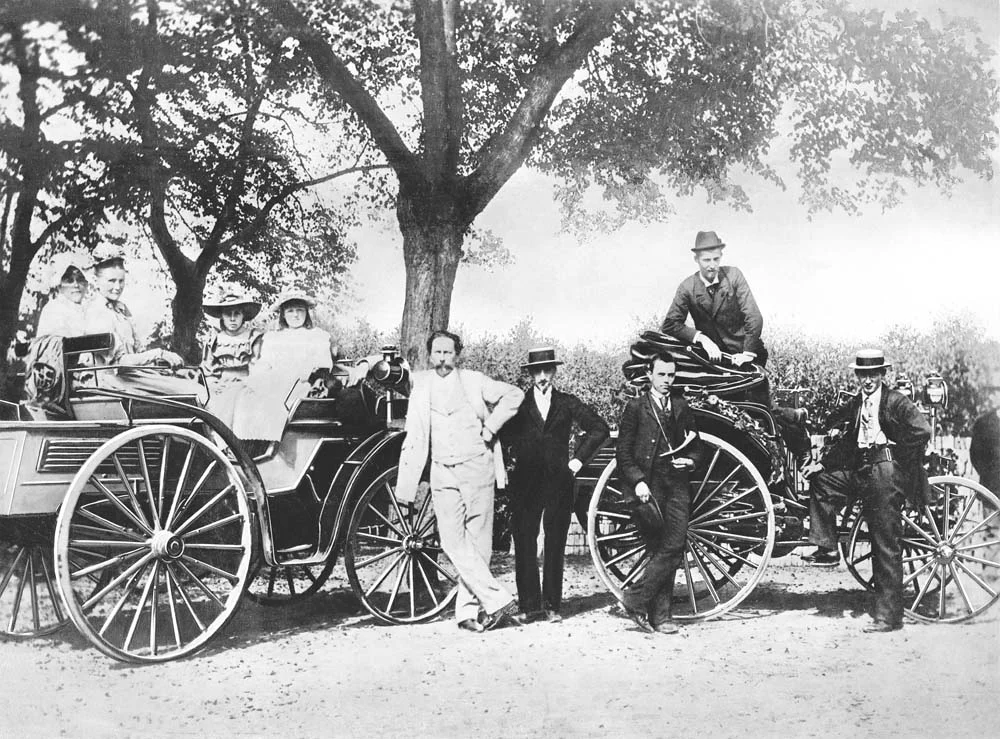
x: 394, y: 558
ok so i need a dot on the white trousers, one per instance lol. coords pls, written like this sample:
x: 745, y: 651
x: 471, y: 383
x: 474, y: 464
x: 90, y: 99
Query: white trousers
x: 463, y: 503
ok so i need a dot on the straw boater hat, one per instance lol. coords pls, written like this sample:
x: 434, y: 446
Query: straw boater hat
x: 232, y: 297
x: 105, y: 253
x: 706, y: 240
x: 60, y: 264
x: 868, y: 359
x: 287, y: 296
x: 544, y: 356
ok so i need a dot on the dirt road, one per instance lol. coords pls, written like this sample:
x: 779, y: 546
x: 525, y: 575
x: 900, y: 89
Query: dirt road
x: 791, y: 662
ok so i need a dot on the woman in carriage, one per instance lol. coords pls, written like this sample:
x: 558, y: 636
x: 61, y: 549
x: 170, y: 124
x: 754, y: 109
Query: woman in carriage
x: 230, y: 352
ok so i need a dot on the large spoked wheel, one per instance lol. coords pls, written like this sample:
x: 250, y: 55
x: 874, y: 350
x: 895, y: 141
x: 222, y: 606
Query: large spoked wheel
x: 284, y: 585
x: 729, y: 540
x: 951, y: 552
x: 153, y: 544
x: 29, y: 601
x: 394, y: 558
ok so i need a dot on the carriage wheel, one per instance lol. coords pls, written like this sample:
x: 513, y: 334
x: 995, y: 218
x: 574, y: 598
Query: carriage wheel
x: 29, y: 601
x: 729, y: 540
x: 394, y: 558
x: 283, y: 585
x: 153, y: 544
x: 951, y: 552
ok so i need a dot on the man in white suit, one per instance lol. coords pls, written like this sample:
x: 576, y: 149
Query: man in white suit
x: 453, y: 419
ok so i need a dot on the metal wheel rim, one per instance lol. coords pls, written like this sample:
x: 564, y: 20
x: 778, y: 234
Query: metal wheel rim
x: 151, y: 561
x: 29, y: 600
x: 702, y: 550
x: 394, y: 559
x: 953, y: 542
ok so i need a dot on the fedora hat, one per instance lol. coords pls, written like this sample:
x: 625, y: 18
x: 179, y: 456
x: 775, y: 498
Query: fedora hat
x: 868, y: 359
x: 232, y: 297
x: 707, y: 240
x: 287, y: 296
x: 543, y: 356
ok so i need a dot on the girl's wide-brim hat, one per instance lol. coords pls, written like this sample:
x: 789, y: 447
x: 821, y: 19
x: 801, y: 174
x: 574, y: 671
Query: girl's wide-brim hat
x: 105, y: 253
x: 542, y: 357
x: 870, y: 359
x: 287, y: 296
x: 60, y: 264
x: 232, y: 298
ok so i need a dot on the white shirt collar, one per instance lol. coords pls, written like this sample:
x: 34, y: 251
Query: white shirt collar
x: 661, y: 400
x: 705, y: 282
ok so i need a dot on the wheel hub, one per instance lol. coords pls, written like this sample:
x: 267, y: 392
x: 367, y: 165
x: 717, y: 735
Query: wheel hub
x: 945, y: 553
x: 412, y: 543
x: 166, y: 545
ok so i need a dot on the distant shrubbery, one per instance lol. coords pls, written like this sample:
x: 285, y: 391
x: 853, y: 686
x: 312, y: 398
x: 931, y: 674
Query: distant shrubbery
x: 956, y: 347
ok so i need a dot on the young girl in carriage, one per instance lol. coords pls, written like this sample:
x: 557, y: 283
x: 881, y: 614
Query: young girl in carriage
x: 289, y: 356
x: 227, y: 356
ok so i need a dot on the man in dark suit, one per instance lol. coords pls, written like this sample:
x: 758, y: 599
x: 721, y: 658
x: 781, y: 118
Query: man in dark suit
x: 719, y: 300
x: 984, y: 450
x: 881, y: 462
x: 655, y: 443
x: 542, y: 480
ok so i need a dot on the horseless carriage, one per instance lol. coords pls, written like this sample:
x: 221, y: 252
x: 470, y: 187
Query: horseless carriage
x: 144, y: 521
x: 750, y: 504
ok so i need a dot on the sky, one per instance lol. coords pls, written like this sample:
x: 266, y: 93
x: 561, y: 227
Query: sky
x: 834, y: 276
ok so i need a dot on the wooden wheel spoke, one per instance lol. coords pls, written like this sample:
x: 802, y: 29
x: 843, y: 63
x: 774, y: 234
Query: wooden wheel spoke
x: 33, y: 592
x: 410, y: 583
x: 368, y: 536
x: 122, y: 577
x: 970, y: 502
x: 979, y: 545
x: 129, y: 491
x: 614, y: 515
x: 425, y: 506
x: 717, y: 563
x: 625, y: 555
x: 978, y: 560
x: 923, y: 589
x: 184, y: 598
x: 122, y: 600
x: 141, y: 605
x: 756, y: 515
x: 978, y: 527
x: 122, y: 508
x: 975, y: 578
x: 80, y: 544
x: 234, y: 518
x: 171, y: 601
x: 426, y: 580
x: 161, y: 490
x: 385, y: 573
x: 862, y: 558
x: 961, y: 587
x: 712, y: 545
x: 175, y: 502
x: 696, y: 498
x: 725, y: 504
x: 53, y: 593
x: 728, y: 536
x: 148, y: 480
x: 705, y: 576
x: 212, y: 502
x: 21, y: 552
x: 104, y: 564
x: 386, y: 521
x: 689, y: 579
x: 920, y: 531
x: 376, y: 558
x: 395, y: 504
x: 231, y: 576
x: 198, y: 581
x: 617, y: 536
x: 289, y: 580
x: 929, y: 515
x: 440, y: 570
x: 637, y: 569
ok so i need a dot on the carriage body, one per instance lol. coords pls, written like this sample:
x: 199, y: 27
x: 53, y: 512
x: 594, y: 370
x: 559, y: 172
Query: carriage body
x: 144, y: 520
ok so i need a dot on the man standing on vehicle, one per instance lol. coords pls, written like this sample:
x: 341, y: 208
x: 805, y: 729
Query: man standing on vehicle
x: 655, y: 444
x: 452, y: 420
x: 882, y: 453
x: 719, y: 300
x: 542, y: 480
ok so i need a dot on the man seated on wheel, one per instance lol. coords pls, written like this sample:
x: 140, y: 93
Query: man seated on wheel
x: 882, y: 465
x: 655, y: 445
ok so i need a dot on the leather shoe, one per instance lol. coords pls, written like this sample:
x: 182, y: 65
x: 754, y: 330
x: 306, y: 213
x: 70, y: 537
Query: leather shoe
x: 508, y: 613
x: 822, y: 558
x: 553, y: 617
x: 666, y: 627
x: 471, y: 624
x: 881, y: 627
x: 641, y: 620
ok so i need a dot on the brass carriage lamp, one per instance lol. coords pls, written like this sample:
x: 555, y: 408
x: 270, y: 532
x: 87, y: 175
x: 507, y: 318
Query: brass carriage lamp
x: 936, y: 391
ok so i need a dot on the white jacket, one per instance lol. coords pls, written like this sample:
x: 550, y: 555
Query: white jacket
x: 494, y: 403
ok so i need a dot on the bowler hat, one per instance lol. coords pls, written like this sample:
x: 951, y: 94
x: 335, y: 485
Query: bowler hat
x: 288, y: 296
x: 233, y: 297
x: 869, y: 359
x: 544, y: 356
x: 706, y: 240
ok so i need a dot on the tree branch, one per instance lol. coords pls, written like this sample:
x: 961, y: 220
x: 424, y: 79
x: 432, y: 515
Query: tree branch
x: 501, y: 157
x: 338, y: 78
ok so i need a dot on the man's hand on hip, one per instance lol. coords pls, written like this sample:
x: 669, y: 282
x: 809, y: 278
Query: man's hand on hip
x: 487, y: 435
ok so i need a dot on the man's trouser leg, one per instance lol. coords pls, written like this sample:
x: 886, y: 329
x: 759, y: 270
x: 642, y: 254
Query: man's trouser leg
x: 883, y: 501
x: 527, y: 516
x: 463, y: 504
x: 556, y: 520
x: 675, y: 502
x: 828, y: 493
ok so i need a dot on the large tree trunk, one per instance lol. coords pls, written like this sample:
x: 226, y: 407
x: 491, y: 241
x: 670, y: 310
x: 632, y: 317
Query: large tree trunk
x: 186, y: 309
x: 432, y: 248
x: 10, y: 300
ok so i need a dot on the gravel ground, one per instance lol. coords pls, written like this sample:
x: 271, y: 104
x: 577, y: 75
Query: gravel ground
x: 791, y: 662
